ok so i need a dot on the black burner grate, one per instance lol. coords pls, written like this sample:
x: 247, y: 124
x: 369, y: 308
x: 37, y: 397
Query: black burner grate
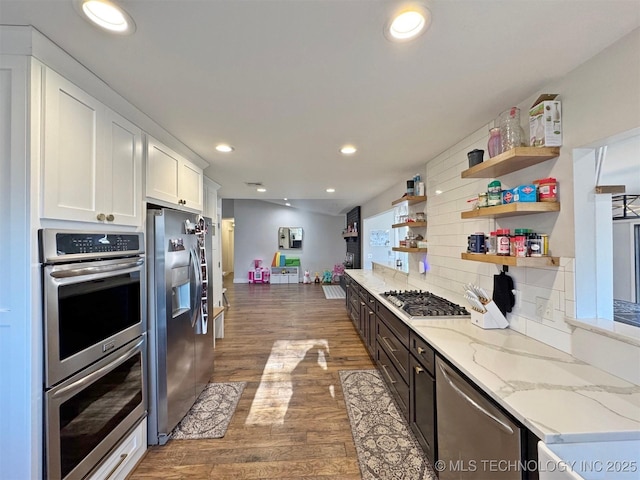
x: 417, y: 303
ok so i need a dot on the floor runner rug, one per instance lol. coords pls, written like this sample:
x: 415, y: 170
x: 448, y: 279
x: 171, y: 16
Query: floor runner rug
x: 385, y: 444
x: 211, y: 413
x: 332, y: 292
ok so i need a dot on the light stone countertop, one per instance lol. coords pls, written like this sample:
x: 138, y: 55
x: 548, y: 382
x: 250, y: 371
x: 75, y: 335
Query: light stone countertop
x: 559, y: 398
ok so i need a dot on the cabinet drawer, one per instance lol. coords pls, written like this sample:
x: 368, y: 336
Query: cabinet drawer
x: 371, y: 300
x: 396, y: 325
x: 397, y: 385
x: 354, y: 314
x: 125, y: 457
x: 395, y: 350
x: 423, y: 352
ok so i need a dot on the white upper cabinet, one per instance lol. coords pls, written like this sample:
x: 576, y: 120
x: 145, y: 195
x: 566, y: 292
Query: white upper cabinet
x: 92, y: 160
x: 173, y: 179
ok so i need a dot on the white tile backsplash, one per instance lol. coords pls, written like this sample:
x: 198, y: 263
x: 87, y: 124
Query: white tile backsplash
x: 447, y: 235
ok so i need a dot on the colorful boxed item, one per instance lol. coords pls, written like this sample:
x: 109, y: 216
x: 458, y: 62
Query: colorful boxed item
x: 508, y: 196
x: 545, y: 121
x: 522, y: 193
x: 525, y: 193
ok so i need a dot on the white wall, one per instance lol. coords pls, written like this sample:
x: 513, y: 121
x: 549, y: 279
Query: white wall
x: 601, y: 98
x: 256, y: 236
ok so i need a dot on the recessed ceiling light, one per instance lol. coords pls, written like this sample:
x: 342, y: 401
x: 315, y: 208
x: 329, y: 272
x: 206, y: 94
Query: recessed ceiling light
x: 408, y: 23
x: 288, y: 204
x: 348, y: 150
x: 438, y: 192
x: 285, y: 199
x: 106, y: 15
x: 261, y: 189
x: 331, y: 190
x: 224, y: 148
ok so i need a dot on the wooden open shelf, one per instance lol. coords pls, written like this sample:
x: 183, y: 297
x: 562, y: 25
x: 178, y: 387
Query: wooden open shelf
x: 511, y: 161
x: 350, y: 235
x: 409, y: 249
x: 409, y: 224
x: 512, y: 261
x: 411, y: 200
x: 217, y: 311
x: 512, y: 209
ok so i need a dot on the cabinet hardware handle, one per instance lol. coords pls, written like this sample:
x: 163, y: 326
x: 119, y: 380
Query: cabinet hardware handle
x: 418, y: 369
x: 101, y: 217
x: 389, y: 346
x: 420, y: 350
x: 391, y: 380
x: 370, y: 312
x: 110, y: 218
x: 113, y: 470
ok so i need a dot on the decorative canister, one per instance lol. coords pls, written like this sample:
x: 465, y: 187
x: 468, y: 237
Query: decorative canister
x: 476, y: 243
x: 503, y: 241
x: 535, y: 246
x: 494, y: 145
x: 491, y: 243
x: 483, y: 200
x: 547, y: 189
x: 520, y: 243
x: 511, y: 132
x: 494, y: 193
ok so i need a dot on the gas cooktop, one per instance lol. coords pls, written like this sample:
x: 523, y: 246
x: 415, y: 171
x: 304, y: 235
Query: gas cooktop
x: 417, y: 304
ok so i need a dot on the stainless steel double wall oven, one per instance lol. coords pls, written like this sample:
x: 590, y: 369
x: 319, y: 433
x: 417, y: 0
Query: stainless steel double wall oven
x: 94, y: 346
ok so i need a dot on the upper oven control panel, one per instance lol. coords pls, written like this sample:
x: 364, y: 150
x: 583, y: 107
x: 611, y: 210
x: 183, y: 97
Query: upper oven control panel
x: 69, y: 245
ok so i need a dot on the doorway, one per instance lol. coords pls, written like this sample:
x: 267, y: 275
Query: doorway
x: 227, y: 237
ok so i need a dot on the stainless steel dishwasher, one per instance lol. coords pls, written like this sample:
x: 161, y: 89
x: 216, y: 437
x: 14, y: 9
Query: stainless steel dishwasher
x: 475, y: 439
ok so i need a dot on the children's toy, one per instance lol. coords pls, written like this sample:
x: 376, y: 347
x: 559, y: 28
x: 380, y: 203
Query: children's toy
x: 317, y: 279
x: 307, y: 277
x: 259, y: 274
x: 338, y: 271
x: 326, y: 277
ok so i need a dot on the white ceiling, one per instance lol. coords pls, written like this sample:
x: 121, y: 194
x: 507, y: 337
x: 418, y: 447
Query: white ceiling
x: 287, y: 82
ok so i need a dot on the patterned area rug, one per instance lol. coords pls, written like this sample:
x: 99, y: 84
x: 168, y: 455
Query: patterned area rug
x: 211, y: 413
x: 385, y: 445
x: 332, y: 292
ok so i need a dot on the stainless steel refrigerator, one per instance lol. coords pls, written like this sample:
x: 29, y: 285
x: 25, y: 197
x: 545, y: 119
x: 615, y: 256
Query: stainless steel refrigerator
x: 180, y: 334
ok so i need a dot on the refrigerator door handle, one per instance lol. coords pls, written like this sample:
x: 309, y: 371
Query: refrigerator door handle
x: 197, y: 298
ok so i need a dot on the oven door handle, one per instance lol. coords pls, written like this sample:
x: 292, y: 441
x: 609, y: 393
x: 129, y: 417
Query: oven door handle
x: 80, y: 384
x: 83, y: 271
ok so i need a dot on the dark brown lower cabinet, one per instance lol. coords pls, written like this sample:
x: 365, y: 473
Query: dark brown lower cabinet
x: 422, y: 391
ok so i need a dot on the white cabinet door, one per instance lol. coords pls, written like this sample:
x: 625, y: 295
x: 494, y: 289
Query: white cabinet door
x: 121, y: 185
x: 190, y: 179
x: 173, y: 179
x: 92, y: 159
x: 70, y: 162
x: 163, y: 166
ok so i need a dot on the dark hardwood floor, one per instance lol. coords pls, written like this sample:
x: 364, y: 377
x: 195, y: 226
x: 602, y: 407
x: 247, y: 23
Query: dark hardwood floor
x: 288, y: 343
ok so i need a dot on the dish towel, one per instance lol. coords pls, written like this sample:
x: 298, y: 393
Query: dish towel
x: 503, y: 292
